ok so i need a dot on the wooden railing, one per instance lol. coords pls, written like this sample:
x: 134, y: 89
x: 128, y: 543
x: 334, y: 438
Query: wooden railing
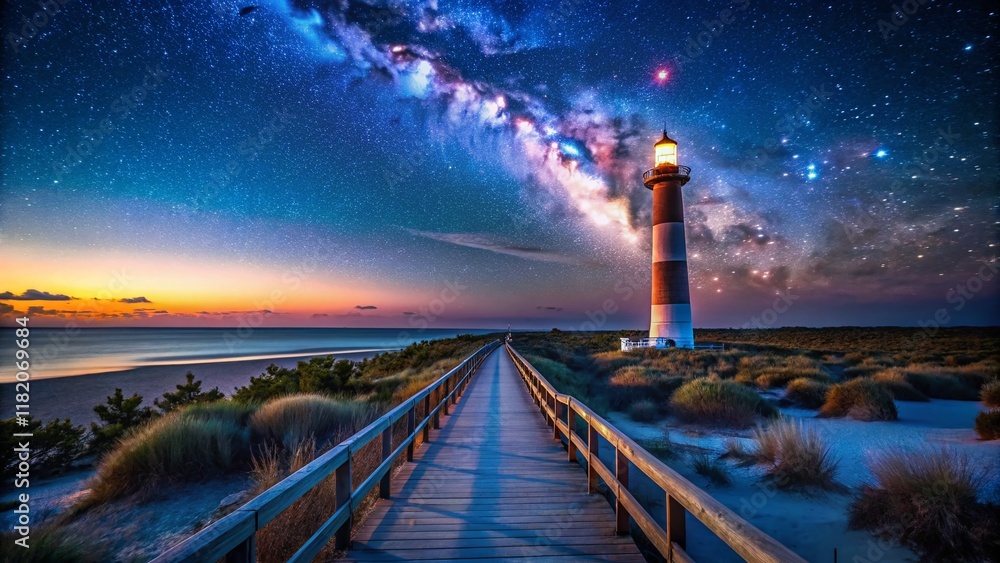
x: 232, y: 537
x: 562, y: 411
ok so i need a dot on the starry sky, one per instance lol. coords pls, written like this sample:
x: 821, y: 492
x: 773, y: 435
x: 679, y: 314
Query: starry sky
x: 473, y: 163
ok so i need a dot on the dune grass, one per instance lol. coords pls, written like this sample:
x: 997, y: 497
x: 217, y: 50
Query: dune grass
x: 643, y: 410
x: 291, y: 420
x: 929, y: 501
x: 895, y: 381
x: 807, y: 393
x: 50, y: 543
x: 174, y: 447
x: 719, y: 402
x: 987, y: 425
x: 860, y: 399
x: 794, y: 457
x: 990, y: 394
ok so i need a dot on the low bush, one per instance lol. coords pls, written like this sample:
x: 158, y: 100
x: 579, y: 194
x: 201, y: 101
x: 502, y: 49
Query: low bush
x: 860, y: 399
x: 990, y: 394
x: 661, y: 447
x: 173, y: 447
x: 794, y: 457
x: 229, y: 411
x: 894, y: 380
x: 940, y: 383
x: 643, y: 410
x: 988, y: 425
x: 807, y: 393
x: 781, y: 376
x: 289, y: 421
x: 929, y: 502
x: 50, y: 543
x: 715, y: 402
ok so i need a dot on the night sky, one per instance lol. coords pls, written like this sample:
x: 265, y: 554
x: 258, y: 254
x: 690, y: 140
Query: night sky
x: 475, y: 163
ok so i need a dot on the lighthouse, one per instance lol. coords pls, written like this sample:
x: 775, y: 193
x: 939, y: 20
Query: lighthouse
x: 670, y: 306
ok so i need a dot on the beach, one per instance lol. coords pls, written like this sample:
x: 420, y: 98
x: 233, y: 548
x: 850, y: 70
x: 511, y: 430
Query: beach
x: 75, y: 396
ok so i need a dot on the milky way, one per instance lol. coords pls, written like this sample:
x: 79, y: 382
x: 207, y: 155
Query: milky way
x: 842, y: 152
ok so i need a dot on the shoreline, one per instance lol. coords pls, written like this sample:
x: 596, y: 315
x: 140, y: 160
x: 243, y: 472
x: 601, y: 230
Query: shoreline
x: 75, y: 396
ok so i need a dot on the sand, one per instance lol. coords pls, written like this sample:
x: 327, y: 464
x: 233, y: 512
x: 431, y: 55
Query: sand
x: 75, y: 396
x: 814, y: 525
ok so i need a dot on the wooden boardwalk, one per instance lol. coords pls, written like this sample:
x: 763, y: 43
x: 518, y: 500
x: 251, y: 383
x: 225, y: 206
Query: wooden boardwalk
x: 492, y: 484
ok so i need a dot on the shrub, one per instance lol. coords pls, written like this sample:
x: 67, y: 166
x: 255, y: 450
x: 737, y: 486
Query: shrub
x: 928, y: 501
x: 860, y: 399
x: 894, y: 380
x: 118, y: 416
x: 941, y: 384
x: 988, y: 425
x: 725, y: 403
x: 187, y: 393
x: 794, y: 456
x: 714, y: 469
x: 990, y: 394
x: 50, y: 543
x: 289, y: 421
x: 54, y: 446
x: 171, y: 448
x: 643, y: 410
x: 661, y: 447
x: 230, y: 411
x: 807, y: 393
x: 736, y: 449
x: 781, y: 376
x: 628, y: 383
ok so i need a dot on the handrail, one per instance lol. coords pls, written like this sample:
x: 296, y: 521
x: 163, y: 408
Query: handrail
x: 682, y: 495
x: 233, y: 537
x: 678, y: 170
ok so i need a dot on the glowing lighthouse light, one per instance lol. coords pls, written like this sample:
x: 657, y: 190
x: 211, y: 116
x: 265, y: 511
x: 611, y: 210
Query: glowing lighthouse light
x: 665, y: 151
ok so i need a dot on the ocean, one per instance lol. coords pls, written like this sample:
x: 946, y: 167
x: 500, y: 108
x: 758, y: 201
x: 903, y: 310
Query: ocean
x: 56, y: 352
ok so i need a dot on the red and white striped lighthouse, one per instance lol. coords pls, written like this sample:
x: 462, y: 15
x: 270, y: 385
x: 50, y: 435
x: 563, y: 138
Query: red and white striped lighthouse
x: 670, y: 307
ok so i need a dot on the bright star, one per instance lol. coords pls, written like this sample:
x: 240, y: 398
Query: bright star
x: 881, y: 153
x: 662, y: 75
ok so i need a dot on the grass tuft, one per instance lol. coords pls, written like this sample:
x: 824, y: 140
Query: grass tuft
x: 990, y: 394
x: 807, y: 393
x: 928, y: 501
x: 895, y: 381
x: 290, y: 420
x: 643, y: 410
x: 795, y: 457
x: 712, y: 468
x: 174, y: 447
x: 723, y: 403
x: 860, y: 399
x: 988, y: 425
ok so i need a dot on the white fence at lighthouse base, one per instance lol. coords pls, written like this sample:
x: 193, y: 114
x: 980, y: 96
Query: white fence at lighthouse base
x: 629, y: 345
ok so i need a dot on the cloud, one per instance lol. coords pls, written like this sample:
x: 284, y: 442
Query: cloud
x: 549, y: 308
x: 409, y: 313
x: 35, y: 295
x: 6, y: 308
x: 318, y: 315
x: 41, y: 311
x: 365, y: 307
x: 483, y: 242
x: 134, y: 300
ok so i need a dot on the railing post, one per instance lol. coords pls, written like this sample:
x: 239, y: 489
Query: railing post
x: 385, y: 485
x: 676, y: 525
x: 437, y: 413
x: 427, y: 414
x: 570, y: 419
x: 343, y: 497
x: 621, y: 475
x: 411, y: 426
x: 447, y: 401
x: 246, y: 552
x: 593, y: 456
x: 555, y: 417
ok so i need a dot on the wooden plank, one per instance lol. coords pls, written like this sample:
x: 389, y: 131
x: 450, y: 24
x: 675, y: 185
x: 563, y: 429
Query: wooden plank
x: 491, y: 483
